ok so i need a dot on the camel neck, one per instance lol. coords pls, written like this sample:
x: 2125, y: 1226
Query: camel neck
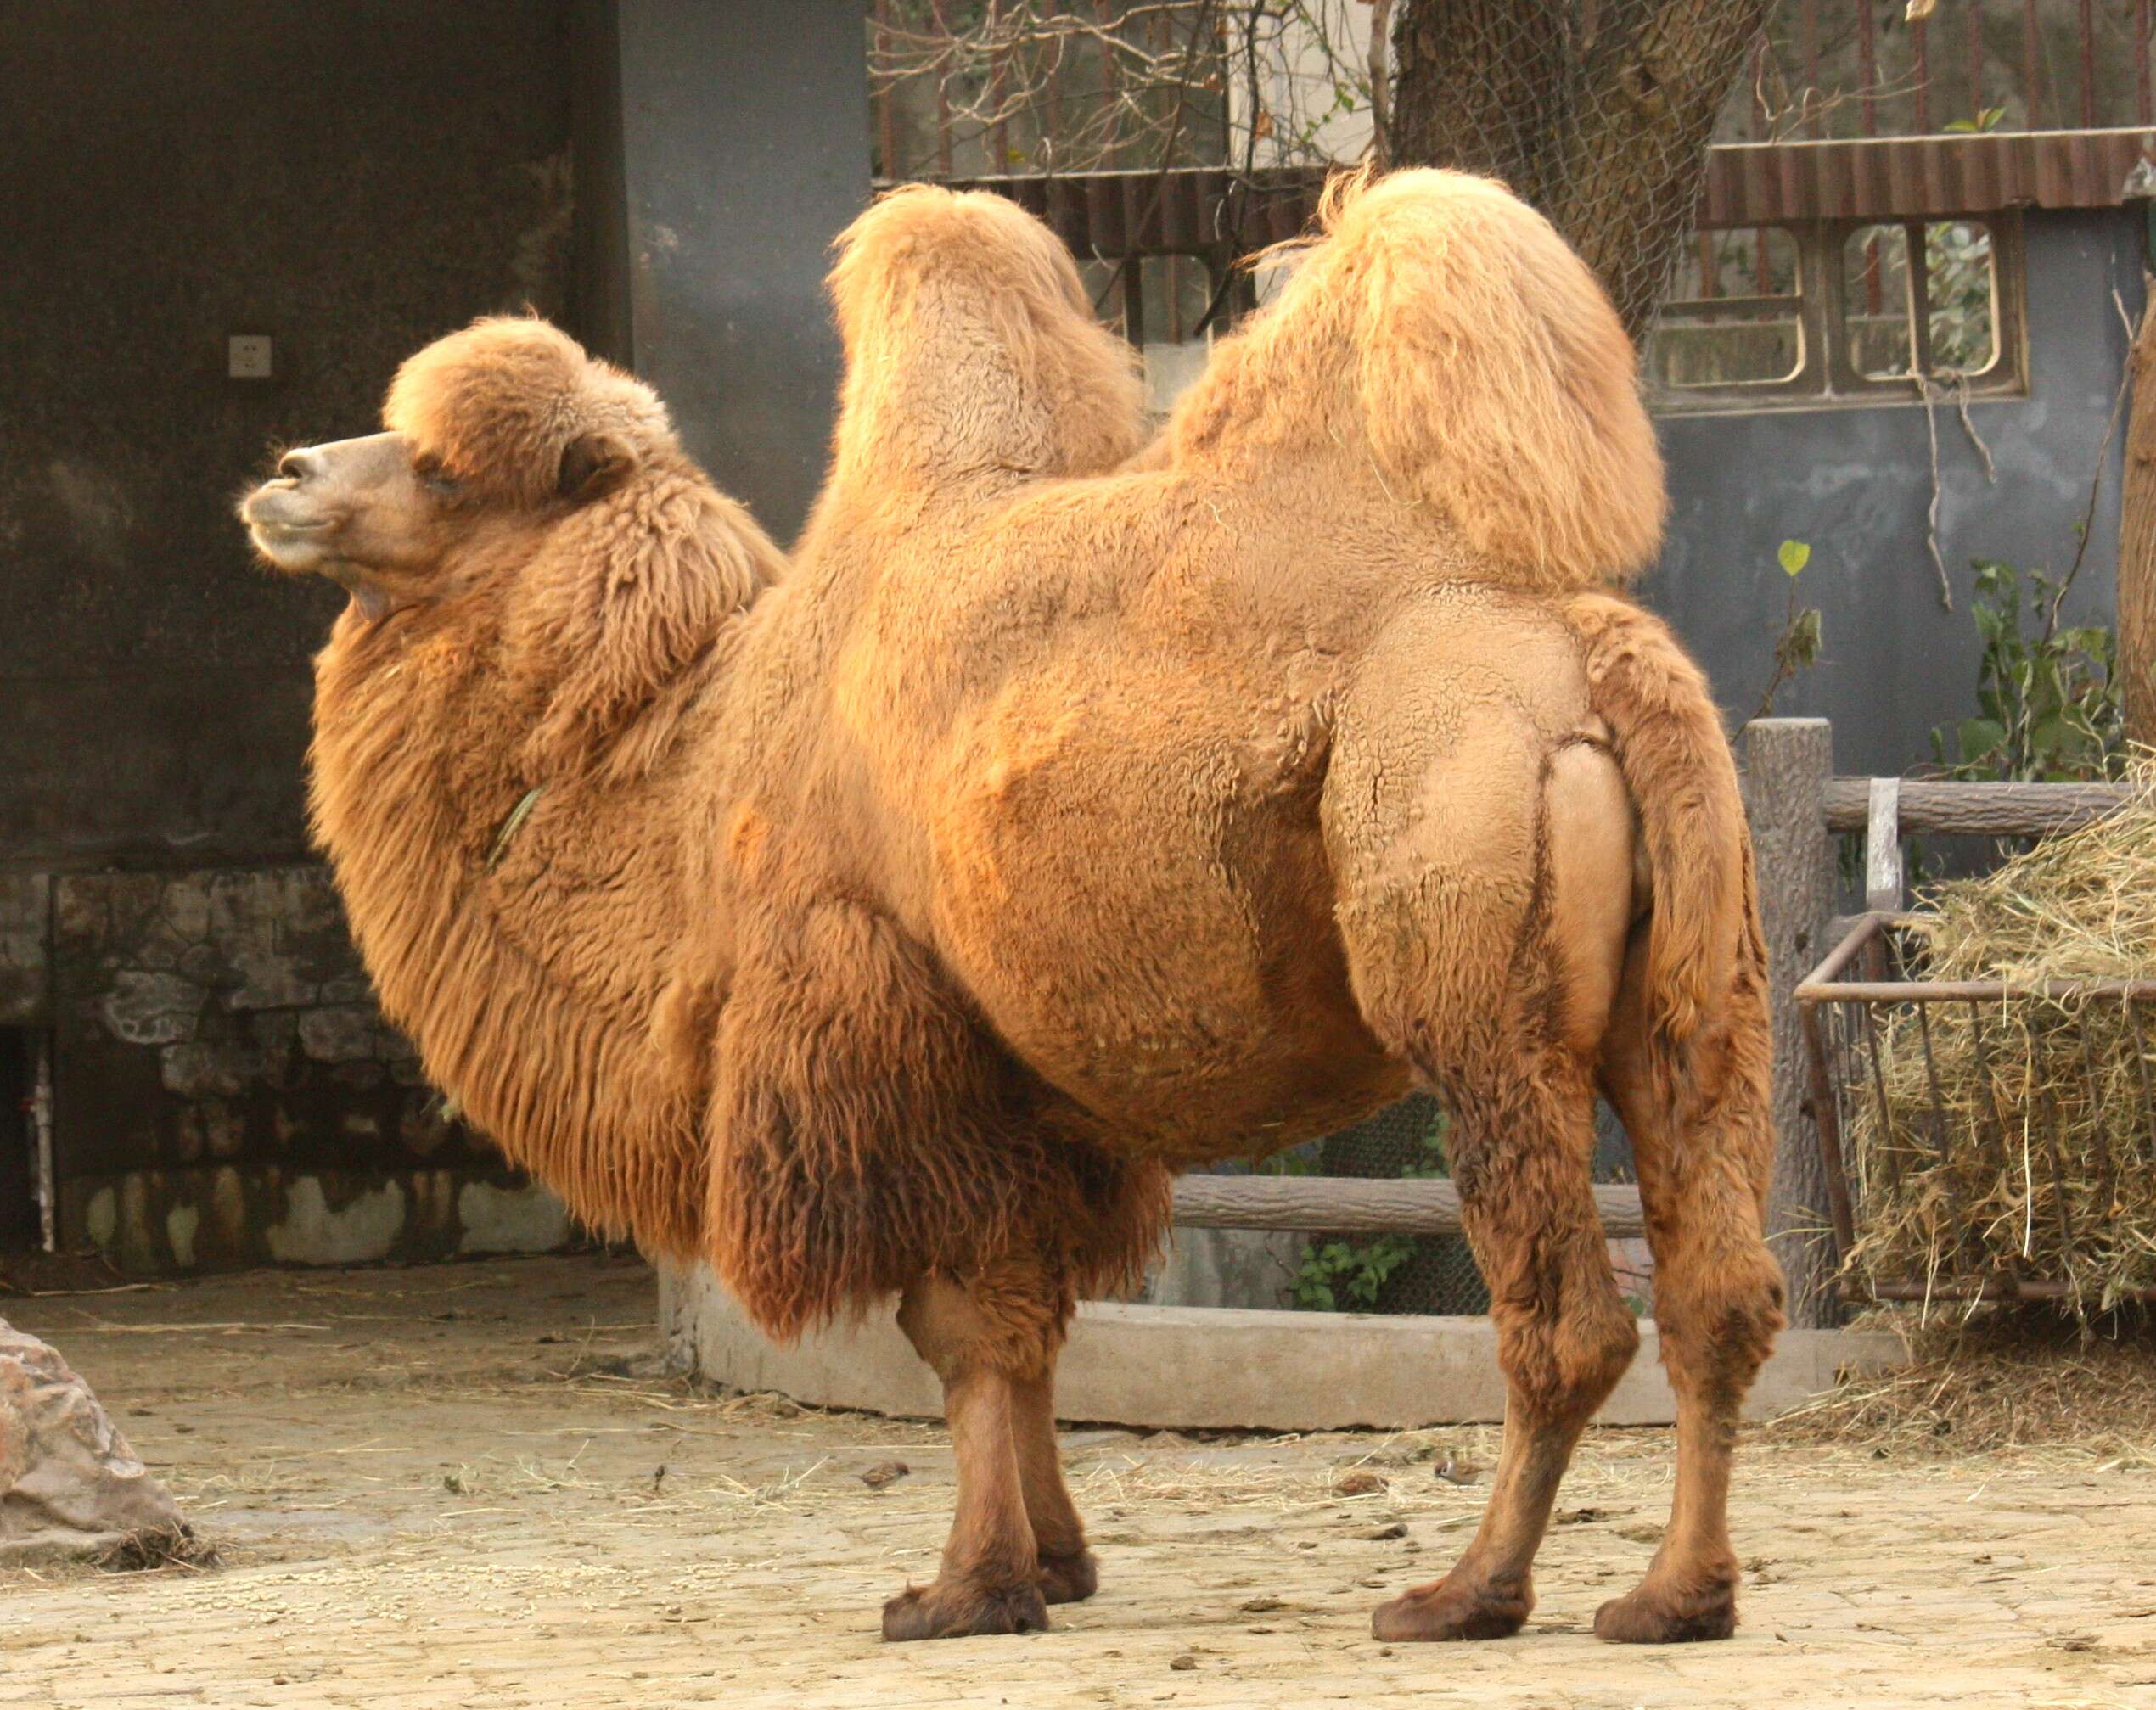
x: 517, y: 933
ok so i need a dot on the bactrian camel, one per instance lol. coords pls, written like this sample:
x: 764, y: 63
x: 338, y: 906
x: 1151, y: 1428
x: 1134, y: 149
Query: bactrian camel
x: 1070, y: 809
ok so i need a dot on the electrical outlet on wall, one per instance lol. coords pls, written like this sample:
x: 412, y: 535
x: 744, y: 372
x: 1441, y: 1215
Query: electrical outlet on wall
x: 247, y: 357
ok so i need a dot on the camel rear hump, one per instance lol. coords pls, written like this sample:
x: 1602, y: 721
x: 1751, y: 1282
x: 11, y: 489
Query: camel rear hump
x: 1489, y: 378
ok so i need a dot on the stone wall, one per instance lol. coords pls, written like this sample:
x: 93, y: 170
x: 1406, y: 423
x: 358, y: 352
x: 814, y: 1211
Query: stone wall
x: 228, y: 1094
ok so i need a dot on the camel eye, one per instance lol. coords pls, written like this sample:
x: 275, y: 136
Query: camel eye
x: 436, y: 479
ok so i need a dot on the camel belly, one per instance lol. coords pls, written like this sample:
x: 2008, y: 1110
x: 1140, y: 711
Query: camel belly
x: 1137, y: 897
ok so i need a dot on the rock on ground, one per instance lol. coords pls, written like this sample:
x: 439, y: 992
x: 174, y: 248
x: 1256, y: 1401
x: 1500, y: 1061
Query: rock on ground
x: 69, y: 1485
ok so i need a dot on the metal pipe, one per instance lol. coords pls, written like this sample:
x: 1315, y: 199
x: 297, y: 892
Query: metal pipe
x: 40, y: 1126
x: 1826, y: 1126
x: 2021, y: 1288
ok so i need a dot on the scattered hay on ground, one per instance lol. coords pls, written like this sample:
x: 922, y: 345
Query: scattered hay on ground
x: 2022, y: 1142
x: 2024, y: 1376
x: 156, y: 1548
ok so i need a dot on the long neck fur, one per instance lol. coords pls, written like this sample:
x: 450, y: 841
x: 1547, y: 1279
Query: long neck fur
x: 529, y: 989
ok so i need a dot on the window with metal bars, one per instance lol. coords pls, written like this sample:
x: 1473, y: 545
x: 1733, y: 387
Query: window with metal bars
x: 1841, y: 311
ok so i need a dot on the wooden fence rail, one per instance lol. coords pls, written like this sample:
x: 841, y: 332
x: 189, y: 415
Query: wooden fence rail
x: 1937, y: 809
x: 1345, y: 1205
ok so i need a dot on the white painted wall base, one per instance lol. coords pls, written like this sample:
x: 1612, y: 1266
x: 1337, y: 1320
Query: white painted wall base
x: 1179, y: 1367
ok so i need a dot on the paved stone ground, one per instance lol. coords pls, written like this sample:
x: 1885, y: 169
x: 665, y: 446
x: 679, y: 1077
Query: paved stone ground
x: 459, y: 1486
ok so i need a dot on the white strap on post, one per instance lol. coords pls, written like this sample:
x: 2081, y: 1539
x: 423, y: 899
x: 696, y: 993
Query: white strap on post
x: 1883, y: 876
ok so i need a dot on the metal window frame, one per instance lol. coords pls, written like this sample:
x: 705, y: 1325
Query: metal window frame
x: 1824, y: 377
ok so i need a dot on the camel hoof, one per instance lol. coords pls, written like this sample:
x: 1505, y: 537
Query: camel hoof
x: 1442, y: 1611
x: 1069, y: 1578
x: 1653, y: 1615
x: 960, y: 1611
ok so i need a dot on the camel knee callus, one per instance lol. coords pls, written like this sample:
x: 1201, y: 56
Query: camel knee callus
x: 1070, y: 809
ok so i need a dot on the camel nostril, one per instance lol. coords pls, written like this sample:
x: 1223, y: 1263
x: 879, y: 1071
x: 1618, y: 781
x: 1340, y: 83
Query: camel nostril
x: 299, y: 465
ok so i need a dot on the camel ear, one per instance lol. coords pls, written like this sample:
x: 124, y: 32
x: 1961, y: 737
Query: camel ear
x: 593, y: 465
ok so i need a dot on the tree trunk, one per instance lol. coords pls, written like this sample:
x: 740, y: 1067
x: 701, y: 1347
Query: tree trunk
x: 1481, y: 84
x: 2136, y: 651
x: 1607, y: 135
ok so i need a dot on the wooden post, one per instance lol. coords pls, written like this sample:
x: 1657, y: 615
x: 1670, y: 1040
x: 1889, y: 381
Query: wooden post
x: 2136, y: 651
x: 1786, y: 765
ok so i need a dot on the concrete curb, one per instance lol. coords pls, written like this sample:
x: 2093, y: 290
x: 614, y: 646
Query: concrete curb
x: 1222, y: 1368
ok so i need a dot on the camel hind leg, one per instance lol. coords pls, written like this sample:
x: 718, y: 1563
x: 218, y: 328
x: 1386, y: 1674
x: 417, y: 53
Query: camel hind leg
x: 1485, y: 948
x: 1704, y: 1142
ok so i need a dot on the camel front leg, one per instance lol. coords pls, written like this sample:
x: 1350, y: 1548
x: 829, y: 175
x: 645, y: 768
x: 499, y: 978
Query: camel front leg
x: 1067, y: 1570
x: 989, y: 1581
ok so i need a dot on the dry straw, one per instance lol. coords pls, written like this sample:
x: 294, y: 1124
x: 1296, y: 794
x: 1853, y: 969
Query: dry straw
x: 2022, y: 1144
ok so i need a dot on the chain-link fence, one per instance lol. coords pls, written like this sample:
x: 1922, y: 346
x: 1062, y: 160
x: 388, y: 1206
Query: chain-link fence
x: 1427, y: 1274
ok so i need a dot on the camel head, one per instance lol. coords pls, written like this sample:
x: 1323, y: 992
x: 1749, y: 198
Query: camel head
x: 495, y: 435
x: 971, y: 348
x: 522, y: 486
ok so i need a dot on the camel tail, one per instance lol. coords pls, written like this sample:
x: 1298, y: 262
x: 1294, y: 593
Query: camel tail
x: 1682, y: 779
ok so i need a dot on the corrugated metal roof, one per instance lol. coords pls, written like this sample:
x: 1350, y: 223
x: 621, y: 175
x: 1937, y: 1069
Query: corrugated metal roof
x: 1902, y: 177
x: 1193, y: 210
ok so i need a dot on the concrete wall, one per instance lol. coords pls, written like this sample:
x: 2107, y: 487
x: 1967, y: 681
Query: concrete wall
x: 740, y: 130
x: 1191, y: 1368
x: 351, y: 179
x: 1855, y: 482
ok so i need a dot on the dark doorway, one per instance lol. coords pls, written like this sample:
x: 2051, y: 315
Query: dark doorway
x: 18, y: 1141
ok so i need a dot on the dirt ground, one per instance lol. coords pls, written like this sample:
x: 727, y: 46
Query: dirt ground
x: 466, y: 1486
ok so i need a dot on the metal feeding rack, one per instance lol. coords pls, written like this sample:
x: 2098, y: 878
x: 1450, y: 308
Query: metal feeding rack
x: 1876, y: 1034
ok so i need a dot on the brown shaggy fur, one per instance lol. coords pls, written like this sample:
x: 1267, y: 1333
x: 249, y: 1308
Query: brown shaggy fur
x: 557, y: 646
x: 1069, y: 812
x: 1439, y: 332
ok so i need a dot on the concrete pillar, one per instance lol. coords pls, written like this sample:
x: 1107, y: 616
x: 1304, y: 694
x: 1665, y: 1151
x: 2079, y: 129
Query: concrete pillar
x: 721, y: 145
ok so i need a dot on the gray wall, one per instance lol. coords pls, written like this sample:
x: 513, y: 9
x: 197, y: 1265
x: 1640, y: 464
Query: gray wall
x: 1855, y: 482
x: 740, y: 130
x: 352, y: 180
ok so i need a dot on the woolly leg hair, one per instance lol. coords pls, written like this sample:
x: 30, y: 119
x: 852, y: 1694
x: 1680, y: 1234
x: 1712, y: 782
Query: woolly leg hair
x: 1705, y: 1148
x: 1563, y: 1337
x: 1067, y: 1572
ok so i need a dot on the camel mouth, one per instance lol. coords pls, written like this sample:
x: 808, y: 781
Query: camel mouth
x: 287, y: 530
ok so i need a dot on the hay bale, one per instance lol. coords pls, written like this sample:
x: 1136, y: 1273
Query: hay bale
x: 2024, y: 1144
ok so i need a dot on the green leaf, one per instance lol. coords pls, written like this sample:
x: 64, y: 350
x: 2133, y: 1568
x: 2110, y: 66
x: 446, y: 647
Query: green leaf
x: 1979, y: 738
x: 1804, y: 637
x: 1794, y: 556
